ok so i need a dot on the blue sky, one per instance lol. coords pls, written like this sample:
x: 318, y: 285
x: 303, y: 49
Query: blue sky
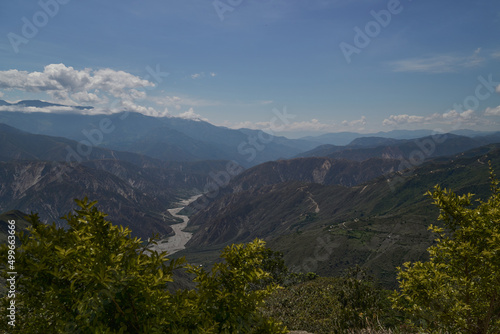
x: 335, y: 65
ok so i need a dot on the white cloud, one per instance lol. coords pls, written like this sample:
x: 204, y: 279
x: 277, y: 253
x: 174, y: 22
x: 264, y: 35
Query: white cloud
x: 137, y: 94
x: 313, y: 125
x: 402, y: 119
x: 495, y: 55
x: 439, y: 63
x: 168, y: 100
x: 356, y: 123
x: 70, y: 86
x: 468, y: 114
x: 51, y: 109
x: 190, y: 114
x: 492, y: 111
x: 200, y: 75
x: 246, y: 125
x: 86, y: 97
x: 451, y: 114
x: 449, y: 117
x: 66, y: 78
x: 117, y: 81
x: 455, y: 115
x: 148, y: 111
x: 31, y: 82
x: 475, y: 59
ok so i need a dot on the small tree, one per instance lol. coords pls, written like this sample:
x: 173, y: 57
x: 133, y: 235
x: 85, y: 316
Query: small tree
x: 458, y: 289
x: 93, y: 277
x: 227, y: 298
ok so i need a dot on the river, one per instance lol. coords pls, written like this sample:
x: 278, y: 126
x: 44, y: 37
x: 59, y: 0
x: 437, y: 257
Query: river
x: 178, y: 241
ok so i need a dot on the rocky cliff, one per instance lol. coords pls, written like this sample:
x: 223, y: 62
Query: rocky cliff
x: 49, y: 189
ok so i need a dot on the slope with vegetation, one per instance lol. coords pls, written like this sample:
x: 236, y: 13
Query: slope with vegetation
x: 380, y: 224
x: 94, y: 277
x: 455, y: 291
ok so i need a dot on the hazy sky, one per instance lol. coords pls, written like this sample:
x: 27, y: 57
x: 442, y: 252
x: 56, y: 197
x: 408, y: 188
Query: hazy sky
x: 335, y: 65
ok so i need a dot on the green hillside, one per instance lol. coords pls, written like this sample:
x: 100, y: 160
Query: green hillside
x: 327, y: 229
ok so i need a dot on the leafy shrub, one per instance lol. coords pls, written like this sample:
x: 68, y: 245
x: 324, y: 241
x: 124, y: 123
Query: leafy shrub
x: 458, y: 289
x: 93, y: 277
x: 332, y: 305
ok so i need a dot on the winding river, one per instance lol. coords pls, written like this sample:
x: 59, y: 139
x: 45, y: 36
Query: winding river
x: 178, y: 241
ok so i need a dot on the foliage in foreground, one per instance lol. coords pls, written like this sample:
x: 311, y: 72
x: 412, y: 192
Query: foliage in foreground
x: 333, y: 304
x: 95, y: 278
x: 458, y: 289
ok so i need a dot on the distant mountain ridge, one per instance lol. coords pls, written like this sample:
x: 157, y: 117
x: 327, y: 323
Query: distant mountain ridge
x: 165, y: 138
x: 427, y: 147
x: 20, y: 145
x: 178, y: 139
x: 345, y: 138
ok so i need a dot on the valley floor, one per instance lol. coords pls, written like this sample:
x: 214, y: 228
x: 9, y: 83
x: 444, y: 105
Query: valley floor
x: 178, y: 241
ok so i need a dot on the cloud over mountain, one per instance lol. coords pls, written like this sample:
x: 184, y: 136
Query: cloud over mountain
x: 455, y: 118
x: 71, y: 86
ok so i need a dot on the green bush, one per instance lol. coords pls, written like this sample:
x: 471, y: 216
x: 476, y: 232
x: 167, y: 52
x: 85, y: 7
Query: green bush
x: 93, y: 277
x: 458, y: 289
x: 333, y: 304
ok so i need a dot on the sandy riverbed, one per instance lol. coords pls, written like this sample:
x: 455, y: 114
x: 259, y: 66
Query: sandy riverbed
x: 178, y: 241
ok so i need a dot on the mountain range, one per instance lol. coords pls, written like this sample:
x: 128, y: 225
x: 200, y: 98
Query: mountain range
x: 165, y: 138
x: 178, y: 139
x: 326, y: 227
x: 345, y: 138
x: 389, y: 148
x: 135, y: 190
x: 326, y: 202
